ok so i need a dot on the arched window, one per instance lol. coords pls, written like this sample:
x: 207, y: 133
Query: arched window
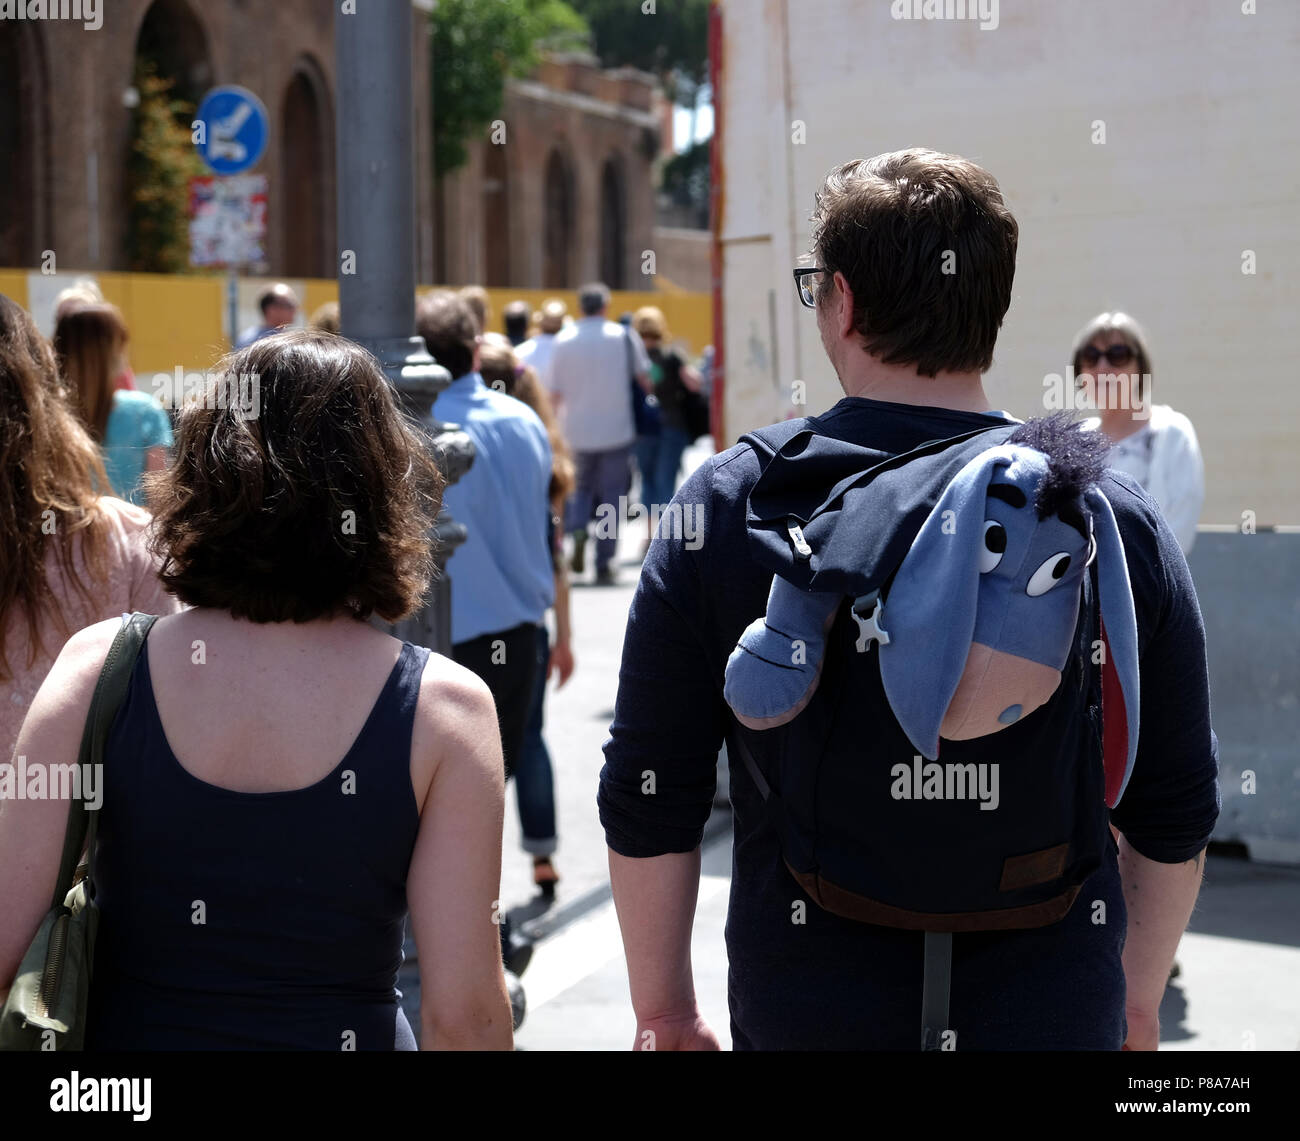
x: 613, y: 225
x: 560, y: 214
x: 24, y: 112
x: 307, y: 176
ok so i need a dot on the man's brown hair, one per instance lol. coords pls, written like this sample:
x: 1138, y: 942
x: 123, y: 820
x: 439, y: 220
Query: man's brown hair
x: 928, y: 247
x: 449, y: 328
x: 320, y: 503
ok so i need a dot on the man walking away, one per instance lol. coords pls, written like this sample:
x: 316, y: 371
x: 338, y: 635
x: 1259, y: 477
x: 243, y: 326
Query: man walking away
x: 592, y: 366
x: 536, y: 351
x: 501, y: 580
x: 909, y: 344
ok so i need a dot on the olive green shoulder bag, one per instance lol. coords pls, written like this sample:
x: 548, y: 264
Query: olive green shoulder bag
x: 46, y: 1006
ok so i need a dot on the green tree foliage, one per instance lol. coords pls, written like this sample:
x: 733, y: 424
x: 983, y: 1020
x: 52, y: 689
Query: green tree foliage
x: 686, y: 180
x: 670, y: 41
x: 162, y: 161
x: 476, y: 45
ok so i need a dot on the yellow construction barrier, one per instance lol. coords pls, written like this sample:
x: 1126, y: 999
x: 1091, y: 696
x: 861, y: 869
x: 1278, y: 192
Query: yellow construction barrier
x: 179, y: 320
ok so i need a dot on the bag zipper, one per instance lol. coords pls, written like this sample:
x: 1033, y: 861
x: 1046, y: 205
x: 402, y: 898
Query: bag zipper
x: 52, y: 976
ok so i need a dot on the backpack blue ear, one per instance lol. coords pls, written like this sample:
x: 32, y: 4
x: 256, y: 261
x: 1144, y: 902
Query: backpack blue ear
x: 929, y: 612
x: 1121, y: 708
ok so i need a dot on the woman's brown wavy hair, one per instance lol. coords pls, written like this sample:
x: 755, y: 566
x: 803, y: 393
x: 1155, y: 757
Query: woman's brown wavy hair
x: 49, y: 471
x: 299, y: 488
x: 88, y: 342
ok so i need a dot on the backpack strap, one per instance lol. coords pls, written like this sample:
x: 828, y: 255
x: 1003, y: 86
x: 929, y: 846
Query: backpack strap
x: 936, y: 986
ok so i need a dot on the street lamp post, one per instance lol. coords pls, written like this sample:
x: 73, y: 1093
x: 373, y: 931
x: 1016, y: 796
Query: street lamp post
x: 376, y: 197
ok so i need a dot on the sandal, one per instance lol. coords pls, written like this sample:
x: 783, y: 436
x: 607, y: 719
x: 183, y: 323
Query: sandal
x: 545, y: 876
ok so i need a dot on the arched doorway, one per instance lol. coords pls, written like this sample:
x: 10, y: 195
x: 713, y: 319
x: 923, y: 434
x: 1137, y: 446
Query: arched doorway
x: 613, y: 225
x: 560, y: 215
x: 496, y: 216
x: 171, y: 72
x: 24, y: 129
x: 307, y: 175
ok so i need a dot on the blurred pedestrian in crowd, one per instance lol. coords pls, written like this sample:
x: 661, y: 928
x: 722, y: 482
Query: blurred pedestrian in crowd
x: 501, y: 577
x: 592, y: 364
x: 534, y: 779
x: 132, y: 427
x: 71, y: 555
x: 659, y: 453
x: 536, y: 351
x: 85, y: 291
x: 326, y: 318
x: 1151, y: 442
x: 516, y: 322
x: 480, y: 305
x: 279, y: 307
x: 228, y: 781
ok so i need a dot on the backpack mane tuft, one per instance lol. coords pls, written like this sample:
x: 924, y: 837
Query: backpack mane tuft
x: 1076, y: 459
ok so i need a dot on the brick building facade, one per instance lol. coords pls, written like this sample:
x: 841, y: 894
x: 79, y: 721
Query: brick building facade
x: 562, y: 191
x: 565, y: 196
x: 65, y: 119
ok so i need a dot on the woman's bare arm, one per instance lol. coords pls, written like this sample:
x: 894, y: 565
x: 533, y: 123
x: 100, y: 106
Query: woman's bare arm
x: 453, y: 889
x: 31, y: 831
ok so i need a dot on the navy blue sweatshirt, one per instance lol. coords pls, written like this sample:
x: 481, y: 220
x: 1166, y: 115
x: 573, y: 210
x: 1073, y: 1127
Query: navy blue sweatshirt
x: 830, y: 982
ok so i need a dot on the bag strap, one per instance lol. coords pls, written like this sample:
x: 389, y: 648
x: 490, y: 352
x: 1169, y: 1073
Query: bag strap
x: 110, y: 692
x: 631, y: 357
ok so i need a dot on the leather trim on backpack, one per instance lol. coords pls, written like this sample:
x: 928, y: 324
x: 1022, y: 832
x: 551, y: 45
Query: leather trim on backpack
x: 1033, y: 868
x: 850, y: 905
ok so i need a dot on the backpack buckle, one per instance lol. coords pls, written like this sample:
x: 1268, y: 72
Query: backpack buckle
x: 867, y: 611
x: 801, y: 547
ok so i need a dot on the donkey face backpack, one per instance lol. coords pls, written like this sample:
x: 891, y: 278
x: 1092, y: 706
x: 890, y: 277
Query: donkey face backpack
x: 941, y: 701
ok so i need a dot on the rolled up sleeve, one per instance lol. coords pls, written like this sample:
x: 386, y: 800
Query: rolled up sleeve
x: 657, y: 784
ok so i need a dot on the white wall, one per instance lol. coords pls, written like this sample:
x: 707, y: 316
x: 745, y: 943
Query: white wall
x: 1201, y: 105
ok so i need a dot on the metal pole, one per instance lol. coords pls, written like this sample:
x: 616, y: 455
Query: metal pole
x: 232, y: 304
x: 376, y: 201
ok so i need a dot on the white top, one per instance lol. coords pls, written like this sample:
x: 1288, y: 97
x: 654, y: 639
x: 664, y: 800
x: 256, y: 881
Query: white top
x: 1164, y: 457
x: 591, y: 382
x: 536, y: 351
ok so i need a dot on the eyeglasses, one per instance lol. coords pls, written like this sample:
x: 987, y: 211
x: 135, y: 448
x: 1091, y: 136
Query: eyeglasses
x: 807, y: 294
x: 1115, y: 355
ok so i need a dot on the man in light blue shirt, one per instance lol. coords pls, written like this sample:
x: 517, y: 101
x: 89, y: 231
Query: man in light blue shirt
x: 502, y: 582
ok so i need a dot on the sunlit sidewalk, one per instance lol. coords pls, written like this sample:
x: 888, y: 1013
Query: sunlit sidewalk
x: 1238, y: 986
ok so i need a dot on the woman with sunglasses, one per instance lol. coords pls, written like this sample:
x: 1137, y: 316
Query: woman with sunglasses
x: 1151, y: 442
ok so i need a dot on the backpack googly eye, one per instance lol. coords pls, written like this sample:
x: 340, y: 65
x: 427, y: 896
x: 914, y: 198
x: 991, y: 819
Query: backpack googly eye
x: 993, y: 547
x: 1048, y: 575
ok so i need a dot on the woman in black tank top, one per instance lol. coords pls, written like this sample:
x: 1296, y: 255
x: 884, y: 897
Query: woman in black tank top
x: 283, y: 779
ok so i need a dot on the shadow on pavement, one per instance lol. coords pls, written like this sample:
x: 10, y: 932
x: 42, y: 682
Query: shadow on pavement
x: 1241, y: 899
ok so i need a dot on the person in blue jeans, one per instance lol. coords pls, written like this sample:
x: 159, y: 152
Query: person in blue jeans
x: 659, y: 455
x: 534, y: 776
x: 131, y: 427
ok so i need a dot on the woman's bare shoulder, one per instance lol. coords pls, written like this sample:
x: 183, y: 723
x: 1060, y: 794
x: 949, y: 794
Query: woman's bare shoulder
x: 454, y: 714
x: 448, y: 690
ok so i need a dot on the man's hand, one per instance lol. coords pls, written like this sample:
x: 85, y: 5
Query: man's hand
x: 687, y: 1031
x: 561, y: 662
x: 1143, y: 1030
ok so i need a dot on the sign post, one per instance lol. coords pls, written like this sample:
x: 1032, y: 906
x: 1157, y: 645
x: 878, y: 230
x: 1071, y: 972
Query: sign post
x: 229, y: 220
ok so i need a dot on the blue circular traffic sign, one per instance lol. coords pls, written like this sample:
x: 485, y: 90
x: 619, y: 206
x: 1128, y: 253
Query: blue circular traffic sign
x: 235, y: 129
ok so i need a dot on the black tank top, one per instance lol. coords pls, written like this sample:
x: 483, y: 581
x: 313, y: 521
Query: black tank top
x: 244, y: 921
